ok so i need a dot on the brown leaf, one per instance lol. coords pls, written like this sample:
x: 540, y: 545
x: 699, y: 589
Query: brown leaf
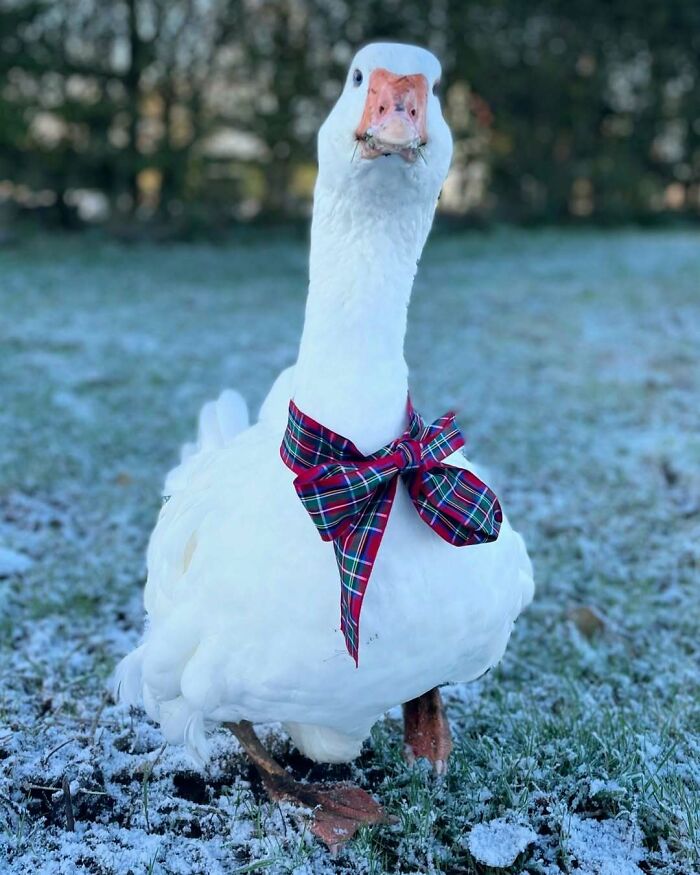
x: 587, y: 620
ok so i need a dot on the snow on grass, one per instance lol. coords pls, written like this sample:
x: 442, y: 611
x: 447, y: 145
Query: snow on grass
x: 572, y: 359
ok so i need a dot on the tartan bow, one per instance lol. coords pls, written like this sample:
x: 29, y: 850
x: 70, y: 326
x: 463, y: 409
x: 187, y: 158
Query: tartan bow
x: 349, y: 496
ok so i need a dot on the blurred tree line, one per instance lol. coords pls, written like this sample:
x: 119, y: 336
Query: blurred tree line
x: 205, y: 111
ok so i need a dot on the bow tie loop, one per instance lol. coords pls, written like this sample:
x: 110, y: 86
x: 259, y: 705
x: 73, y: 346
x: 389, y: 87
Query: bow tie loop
x: 349, y: 496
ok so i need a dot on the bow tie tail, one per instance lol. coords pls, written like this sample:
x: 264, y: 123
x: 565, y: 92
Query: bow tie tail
x: 356, y: 549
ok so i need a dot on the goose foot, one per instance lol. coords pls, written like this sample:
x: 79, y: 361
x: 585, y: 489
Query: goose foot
x: 338, y: 810
x: 427, y: 731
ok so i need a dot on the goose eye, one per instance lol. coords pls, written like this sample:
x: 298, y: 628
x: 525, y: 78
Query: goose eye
x: 436, y: 87
x: 357, y: 78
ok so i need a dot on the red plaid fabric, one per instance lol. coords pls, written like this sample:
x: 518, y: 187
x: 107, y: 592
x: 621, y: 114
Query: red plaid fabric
x: 349, y: 496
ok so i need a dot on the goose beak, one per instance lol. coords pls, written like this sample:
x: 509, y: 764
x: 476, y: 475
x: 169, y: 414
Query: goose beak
x: 394, y: 118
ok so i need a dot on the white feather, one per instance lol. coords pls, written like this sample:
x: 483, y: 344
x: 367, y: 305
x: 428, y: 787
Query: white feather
x: 127, y: 682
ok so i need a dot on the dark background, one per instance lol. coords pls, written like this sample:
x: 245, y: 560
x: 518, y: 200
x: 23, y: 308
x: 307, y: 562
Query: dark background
x: 187, y: 115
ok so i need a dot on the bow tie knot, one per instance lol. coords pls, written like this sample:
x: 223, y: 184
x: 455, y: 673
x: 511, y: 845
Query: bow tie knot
x: 349, y: 496
x: 410, y: 453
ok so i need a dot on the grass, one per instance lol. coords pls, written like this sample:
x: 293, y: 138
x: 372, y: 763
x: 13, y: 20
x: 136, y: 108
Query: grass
x: 572, y: 358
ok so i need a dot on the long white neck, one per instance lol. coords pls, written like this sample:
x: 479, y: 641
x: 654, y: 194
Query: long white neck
x: 351, y: 374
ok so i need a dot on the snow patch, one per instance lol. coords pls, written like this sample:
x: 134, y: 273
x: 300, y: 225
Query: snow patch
x: 500, y: 842
x: 605, y: 847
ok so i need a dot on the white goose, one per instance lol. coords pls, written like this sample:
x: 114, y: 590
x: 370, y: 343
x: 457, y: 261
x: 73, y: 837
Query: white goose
x: 242, y: 594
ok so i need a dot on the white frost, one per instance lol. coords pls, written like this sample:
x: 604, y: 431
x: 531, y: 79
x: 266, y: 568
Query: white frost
x: 13, y: 563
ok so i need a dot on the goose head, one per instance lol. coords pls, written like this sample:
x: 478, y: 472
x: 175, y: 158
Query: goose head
x: 386, y: 137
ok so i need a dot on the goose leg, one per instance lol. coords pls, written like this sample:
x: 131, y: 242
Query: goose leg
x: 339, y: 810
x: 427, y: 731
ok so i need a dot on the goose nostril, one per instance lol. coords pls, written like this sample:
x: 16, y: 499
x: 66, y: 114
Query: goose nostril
x: 381, y: 110
x: 413, y: 113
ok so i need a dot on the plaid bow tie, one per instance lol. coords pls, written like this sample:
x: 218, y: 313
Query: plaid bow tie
x: 349, y: 496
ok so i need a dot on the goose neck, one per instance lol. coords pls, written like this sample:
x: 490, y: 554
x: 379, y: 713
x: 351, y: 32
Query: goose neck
x: 351, y: 372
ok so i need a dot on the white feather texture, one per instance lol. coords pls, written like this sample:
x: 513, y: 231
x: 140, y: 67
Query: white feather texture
x: 242, y: 594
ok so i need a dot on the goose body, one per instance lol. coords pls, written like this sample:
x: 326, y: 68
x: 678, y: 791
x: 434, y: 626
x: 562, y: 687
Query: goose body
x: 242, y: 597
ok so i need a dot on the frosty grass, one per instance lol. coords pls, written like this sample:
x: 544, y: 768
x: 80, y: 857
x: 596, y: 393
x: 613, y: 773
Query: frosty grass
x: 573, y: 362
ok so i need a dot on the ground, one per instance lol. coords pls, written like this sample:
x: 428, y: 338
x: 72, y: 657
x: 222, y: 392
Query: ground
x: 572, y: 360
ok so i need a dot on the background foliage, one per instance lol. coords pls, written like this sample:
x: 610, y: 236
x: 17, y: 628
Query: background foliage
x: 188, y: 112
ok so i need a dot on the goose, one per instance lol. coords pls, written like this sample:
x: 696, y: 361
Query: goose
x: 242, y: 617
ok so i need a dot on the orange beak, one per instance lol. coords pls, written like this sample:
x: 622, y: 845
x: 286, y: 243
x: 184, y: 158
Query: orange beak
x: 393, y: 121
